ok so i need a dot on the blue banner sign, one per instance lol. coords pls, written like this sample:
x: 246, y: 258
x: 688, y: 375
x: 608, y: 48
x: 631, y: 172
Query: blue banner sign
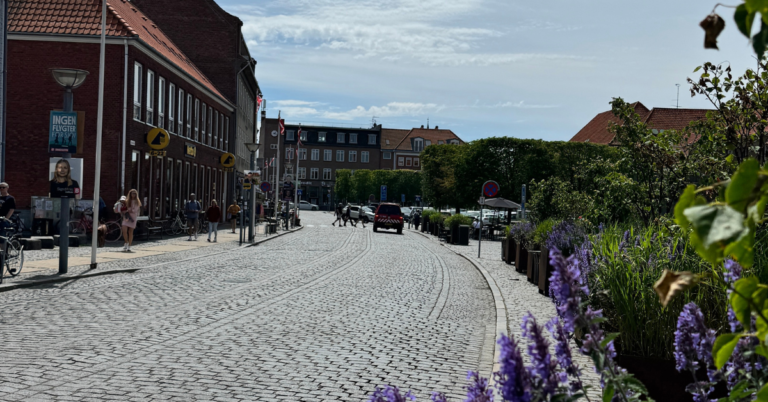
x: 62, y: 136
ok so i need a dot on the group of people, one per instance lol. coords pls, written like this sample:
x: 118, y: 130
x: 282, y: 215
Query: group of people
x: 345, y: 216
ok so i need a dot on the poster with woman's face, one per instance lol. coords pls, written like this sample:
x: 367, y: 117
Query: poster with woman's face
x: 65, y: 176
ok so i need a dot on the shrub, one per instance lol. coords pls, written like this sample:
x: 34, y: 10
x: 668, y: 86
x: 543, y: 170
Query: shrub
x: 542, y: 231
x: 522, y: 233
x: 456, y: 220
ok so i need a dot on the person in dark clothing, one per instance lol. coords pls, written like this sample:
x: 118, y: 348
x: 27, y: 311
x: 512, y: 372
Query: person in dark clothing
x: 7, y: 206
x: 338, y: 215
x: 347, y: 216
x: 416, y: 221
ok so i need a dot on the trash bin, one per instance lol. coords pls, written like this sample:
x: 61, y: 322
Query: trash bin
x: 271, y: 228
x: 42, y: 227
x: 463, y: 235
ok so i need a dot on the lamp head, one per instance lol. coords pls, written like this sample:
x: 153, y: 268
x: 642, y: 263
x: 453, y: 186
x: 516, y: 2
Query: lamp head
x: 253, y: 147
x: 69, y: 77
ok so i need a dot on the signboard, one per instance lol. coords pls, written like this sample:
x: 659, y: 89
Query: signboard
x: 190, y: 150
x: 227, y: 160
x: 383, y: 193
x: 158, y: 139
x: 287, y: 193
x: 157, y: 153
x: 65, y: 176
x: 490, y: 189
x: 418, y: 198
x: 62, y: 135
x: 246, y: 184
x: 522, y: 205
x: 265, y: 186
x: 298, y: 192
x: 402, y: 198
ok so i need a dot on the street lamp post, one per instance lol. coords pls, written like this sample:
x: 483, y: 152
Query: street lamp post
x: 69, y: 79
x: 252, y: 147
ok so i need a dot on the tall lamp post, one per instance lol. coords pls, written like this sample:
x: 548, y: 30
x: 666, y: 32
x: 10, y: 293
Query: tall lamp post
x: 252, y: 147
x: 70, y: 79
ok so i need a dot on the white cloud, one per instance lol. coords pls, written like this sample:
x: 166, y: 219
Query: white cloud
x: 392, y: 109
x: 292, y: 102
x: 523, y: 105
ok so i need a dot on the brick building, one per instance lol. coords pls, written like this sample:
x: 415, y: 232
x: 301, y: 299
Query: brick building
x: 324, y: 150
x: 406, y: 152
x: 213, y: 41
x: 149, y: 82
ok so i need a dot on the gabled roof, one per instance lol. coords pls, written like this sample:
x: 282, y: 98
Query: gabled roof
x: 83, y: 17
x: 391, y: 137
x: 432, y: 134
x: 673, y: 119
x: 596, y: 131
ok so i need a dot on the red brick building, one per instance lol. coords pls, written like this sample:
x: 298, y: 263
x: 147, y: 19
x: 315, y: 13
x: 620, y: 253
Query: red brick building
x: 149, y: 82
x: 406, y: 152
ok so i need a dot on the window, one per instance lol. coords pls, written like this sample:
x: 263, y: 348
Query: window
x: 387, y: 155
x: 339, y: 138
x: 327, y: 155
x: 303, y: 135
x: 189, y: 116
x: 415, y: 161
x: 289, y: 153
x: 216, y: 130
x: 180, y: 114
x: 302, y: 173
x: 427, y: 143
x: 400, y: 161
x: 371, y: 139
x: 221, y: 132
x: 353, y: 156
x: 440, y: 142
x: 408, y: 161
x: 326, y: 174
x: 339, y: 155
x: 289, y: 135
x: 197, y: 119
x: 210, y: 125
x: 302, y: 154
x: 353, y: 138
x: 315, y: 154
x: 226, y: 137
x: 321, y: 137
x: 314, y: 174
x: 171, y: 108
x: 204, y: 140
x: 161, y: 103
x: 418, y: 144
x: 150, y: 97
x: 137, y: 79
x: 364, y: 157
x: 273, y: 146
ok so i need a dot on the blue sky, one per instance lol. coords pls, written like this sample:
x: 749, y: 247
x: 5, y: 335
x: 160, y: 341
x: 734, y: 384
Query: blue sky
x: 482, y: 68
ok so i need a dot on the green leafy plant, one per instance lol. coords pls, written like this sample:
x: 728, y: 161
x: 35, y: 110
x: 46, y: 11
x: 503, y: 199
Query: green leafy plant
x: 457, y: 220
x: 542, y: 231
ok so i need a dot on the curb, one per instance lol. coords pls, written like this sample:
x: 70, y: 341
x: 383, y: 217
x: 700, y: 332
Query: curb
x: 87, y: 274
x: 498, y: 300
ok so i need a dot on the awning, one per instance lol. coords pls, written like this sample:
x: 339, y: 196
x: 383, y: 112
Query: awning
x: 500, y: 203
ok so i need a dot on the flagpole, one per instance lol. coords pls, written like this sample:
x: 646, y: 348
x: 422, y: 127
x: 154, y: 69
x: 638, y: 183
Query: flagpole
x: 296, y: 188
x: 277, y: 168
x: 99, y: 124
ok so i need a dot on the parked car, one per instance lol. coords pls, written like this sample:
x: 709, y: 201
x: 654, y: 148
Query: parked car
x: 388, y: 216
x: 305, y: 205
x: 354, y: 211
x: 472, y: 214
x: 406, y: 211
x: 368, y: 215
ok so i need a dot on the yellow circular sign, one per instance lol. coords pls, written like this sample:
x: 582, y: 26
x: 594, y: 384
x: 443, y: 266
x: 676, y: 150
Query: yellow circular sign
x: 227, y: 160
x: 158, y: 138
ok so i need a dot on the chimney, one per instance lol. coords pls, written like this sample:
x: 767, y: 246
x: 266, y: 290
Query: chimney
x: 435, y: 127
x: 422, y: 126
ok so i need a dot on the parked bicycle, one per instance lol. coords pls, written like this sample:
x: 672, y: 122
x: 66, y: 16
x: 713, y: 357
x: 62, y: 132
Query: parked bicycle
x: 85, y: 226
x: 178, y: 224
x: 11, y: 251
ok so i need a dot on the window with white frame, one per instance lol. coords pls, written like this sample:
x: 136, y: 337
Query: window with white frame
x: 204, y: 139
x: 339, y: 155
x: 327, y: 155
x: 161, y: 103
x: 314, y: 174
x: 302, y: 154
x: 427, y: 143
x: 364, y: 156
x: 415, y: 161
x: 138, y: 75
x: 353, y: 156
x: 339, y: 138
x: 216, y: 129
x: 221, y: 132
x: 172, y: 107
x: 418, y: 144
x: 400, y: 161
x: 439, y: 142
x: 226, y: 136
x: 326, y: 174
x: 210, y: 125
x: 197, y: 119
x: 387, y: 155
x: 321, y: 136
x: 408, y: 161
x: 353, y: 138
x: 315, y: 154
x: 289, y: 152
x: 289, y: 135
x: 189, y: 116
x: 371, y: 139
x: 302, y: 173
x: 150, y: 97
x: 303, y: 135
x: 180, y: 113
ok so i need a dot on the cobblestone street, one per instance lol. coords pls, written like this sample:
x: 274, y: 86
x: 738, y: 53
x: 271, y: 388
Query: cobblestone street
x: 324, y: 313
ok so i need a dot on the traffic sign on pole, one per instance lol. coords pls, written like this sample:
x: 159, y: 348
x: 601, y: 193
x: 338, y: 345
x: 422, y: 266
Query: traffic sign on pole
x: 383, y: 194
x: 402, y: 198
x: 265, y: 186
x: 490, y: 189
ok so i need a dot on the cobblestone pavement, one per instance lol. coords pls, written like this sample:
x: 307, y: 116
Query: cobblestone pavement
x: 324, y: 313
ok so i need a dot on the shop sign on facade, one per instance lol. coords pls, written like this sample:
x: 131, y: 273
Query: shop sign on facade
x: 190, y: 150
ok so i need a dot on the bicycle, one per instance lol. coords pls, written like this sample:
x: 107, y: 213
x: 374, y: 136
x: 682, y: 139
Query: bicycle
x: 85, y: 225
x: 177, y: 226
x: 12, y: 253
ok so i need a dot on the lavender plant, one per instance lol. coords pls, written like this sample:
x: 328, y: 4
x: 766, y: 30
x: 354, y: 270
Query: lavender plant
x: 522, y: 233
x: 565, y: 236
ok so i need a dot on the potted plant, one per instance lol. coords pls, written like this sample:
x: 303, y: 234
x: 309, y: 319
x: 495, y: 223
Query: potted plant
x: 564, y: 236
x: 454, y: 222
x: 521, y: 233
x: 511, y: 246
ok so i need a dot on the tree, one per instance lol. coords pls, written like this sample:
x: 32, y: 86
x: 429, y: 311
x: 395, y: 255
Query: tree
x: 343, y: 187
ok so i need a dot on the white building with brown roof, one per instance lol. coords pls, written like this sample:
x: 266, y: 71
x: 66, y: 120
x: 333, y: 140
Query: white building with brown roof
x: 405, y: 146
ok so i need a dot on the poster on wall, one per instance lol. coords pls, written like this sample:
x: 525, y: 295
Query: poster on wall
x: 65, y: 175
x: 62, y: 136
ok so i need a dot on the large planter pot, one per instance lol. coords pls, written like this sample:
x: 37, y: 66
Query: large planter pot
x: 511, y: 250
x: 521, y: 258
x: 532, y: 268
x: 463, y: 235
x: 504, y: 251
x: 663, y: 381
x: 455, y: 235
x: 545, y: 271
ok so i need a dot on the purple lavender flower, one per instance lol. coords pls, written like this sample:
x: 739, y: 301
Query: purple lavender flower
x: 637, y: 241
x: 566, y: 286
x: 565, y: 236
x: 693, y: 340
x: 390, y: 394
x: 438, y: 397
x: 624, y: 240
x: 477, y: 390
x: 733, y: 271
x: 563, y: 353
x: 595, y: 334
x: 542, y: 370
x: 512, y: 378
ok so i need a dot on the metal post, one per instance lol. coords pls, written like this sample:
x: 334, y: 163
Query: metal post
x: 64, y: 219
x: 242, y: 217
x: 252, y: 198
x: 480, y: 235
x: 99, y: 124
x: 3, y: 83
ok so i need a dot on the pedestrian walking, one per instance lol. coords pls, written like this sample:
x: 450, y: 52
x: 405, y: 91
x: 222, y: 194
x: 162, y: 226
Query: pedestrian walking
x: 416, y: 221
x: 338, y: 215
x: 214, y: 216
x: 7, y: 206
x: 347, y: 216
x: 192, y: 211
x: 232, y: 214
x: 129, y: 208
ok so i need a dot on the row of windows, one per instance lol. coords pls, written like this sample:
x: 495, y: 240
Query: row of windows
x: 403, y: 161
x: 204, y: 125
x: 322, y: 137
x: 365, y: 156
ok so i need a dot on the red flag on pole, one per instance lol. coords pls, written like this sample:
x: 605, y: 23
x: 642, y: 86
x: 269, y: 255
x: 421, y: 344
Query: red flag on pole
x: 281, y: 123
